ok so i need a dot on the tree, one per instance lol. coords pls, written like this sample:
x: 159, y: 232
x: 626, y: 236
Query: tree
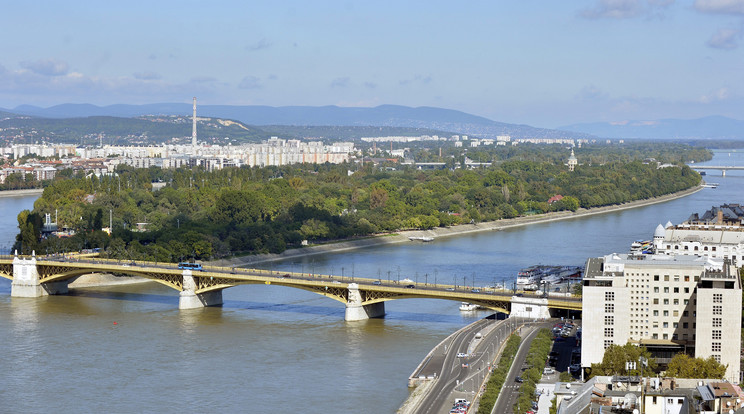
x: 616, y: 357
x: 685, y: 366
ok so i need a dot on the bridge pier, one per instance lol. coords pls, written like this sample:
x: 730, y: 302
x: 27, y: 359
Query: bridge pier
x: 189, y: 299
x: 26, y: 282
x: 532, y: 308
x: 356, y: 311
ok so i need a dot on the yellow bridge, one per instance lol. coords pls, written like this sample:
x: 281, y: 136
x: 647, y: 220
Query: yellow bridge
x: 364, y: 298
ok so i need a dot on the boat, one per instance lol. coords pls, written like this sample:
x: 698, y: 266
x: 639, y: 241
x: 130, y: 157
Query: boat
x: 531, y: 277
x: 468, y: 307
x: 421, y: 238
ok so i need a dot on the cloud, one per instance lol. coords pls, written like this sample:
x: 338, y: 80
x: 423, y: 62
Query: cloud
x: 735, y: 7
x: 261, y: 44
x: 340, y: 82
x: 720, y: 94
x: 416, y: 79
x: 250, y: 82
x: 725, y: 39
x: 46, y: 67
x: 146, y: 76
x: 370, y: 85
x: 625, y: 9
x: 591, y: 93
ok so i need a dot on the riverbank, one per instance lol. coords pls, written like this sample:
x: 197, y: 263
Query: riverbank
x: 21, y: 193
x: 458, y: 230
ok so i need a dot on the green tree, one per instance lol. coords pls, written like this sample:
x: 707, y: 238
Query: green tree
x: 685, y: 366
x: 615, y: 359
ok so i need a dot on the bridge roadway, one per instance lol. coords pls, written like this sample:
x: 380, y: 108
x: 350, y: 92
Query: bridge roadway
x: 723, y: 168
x: 364, y: 298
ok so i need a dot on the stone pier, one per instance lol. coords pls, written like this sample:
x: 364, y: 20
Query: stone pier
x: 26, y: 282
x: 355, y: 311
x: 189, y: 299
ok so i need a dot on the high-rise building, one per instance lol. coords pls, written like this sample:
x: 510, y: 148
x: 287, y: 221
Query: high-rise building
x: 667, y: 303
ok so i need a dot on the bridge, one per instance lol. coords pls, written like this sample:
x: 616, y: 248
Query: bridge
x: 716, y: 167
x: 364, y: 298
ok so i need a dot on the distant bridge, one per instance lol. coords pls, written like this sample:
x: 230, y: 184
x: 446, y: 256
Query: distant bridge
x: 364, y: 298
x: 716, y: 167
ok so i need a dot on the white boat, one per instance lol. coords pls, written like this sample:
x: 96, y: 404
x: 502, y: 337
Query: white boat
x: 421, y: 238
x: 468, y: 307
x: 531, y: 277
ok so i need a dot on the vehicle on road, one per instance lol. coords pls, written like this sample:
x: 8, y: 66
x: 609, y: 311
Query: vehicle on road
x: 518, y: 379
x: 286, y: 275
x: 410, y: 286
x: 462, y: 355
x: 189, y: 265
x: 450, y: 289
x: 575, y: 368
x: 377, y: 282
x: 475, y: 290
x: 548, y: 371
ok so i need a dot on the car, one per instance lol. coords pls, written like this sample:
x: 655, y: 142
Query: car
x: 377, y: 282
x: 553, y: 353
x: 336, y: 281
x: 475, y: 290
x: 286, y: 275
x: 548, y: 371
x: 518, y: 379
x: 462, y: 355
x: 450, y: 289
x: 410, y: 286
x: 575, y: 367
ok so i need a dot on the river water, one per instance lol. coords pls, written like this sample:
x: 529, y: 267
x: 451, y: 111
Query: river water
x: 129, y: 349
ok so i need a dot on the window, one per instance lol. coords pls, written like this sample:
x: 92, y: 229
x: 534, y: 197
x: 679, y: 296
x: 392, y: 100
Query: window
x: 717, y: 310
x: 687, y: 290
x: 717, y: 322
x: 676, y: 290
x: 675, y: 325
x: 685, y: 325
x: 676, y: 301
x: 686, y: 301
x: 675, y: 313
x: 717, y: 298
x: 666, y: 290
x: 680, y: 401
x: 676, y: 278
x: 656, y: 301
x: 666, y: 301
x: 656, y: 278
x: 607, y: 343
x: 666, y: 278
x: 666, y: 336
x: 717, y: 358
x: 687, y: 278
x: 716, y: 334
x: 656, y: 313
x: 684, y: 314
x: 609, y: 332
x: 655, y: 336
x: 665, y: 324
x: 609, y: 296
x: 609, y: 320
x: 609, y: 307
x: 656, y: 289
x: 715, y: 346
x: 666, y: 313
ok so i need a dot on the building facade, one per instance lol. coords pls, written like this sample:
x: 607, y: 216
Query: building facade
x: 667, y: 303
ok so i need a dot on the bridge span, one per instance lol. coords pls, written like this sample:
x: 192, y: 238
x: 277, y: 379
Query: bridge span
x: 723, y: 168
x: 364, y: 298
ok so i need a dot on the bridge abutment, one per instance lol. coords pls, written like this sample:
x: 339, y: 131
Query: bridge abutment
x: 26, y: 282
x: 189, y: 299
x: 533, y: 308
x: 356, y: 311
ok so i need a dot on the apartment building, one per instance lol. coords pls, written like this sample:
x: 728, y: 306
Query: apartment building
x: 667, y: 303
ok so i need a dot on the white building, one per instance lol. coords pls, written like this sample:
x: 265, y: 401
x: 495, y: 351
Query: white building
x: 668, y: 304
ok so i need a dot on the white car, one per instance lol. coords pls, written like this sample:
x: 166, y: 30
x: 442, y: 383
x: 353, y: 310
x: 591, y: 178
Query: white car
x: 462, y: 355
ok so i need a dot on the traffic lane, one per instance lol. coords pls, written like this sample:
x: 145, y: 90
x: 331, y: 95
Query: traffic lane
x: 510, y: 389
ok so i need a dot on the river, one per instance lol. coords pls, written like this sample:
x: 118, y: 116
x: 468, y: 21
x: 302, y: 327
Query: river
x: 129, y: 349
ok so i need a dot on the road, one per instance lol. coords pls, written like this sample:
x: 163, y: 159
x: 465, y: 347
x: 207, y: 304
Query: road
x: 462, y: 377
x: 510, y: 391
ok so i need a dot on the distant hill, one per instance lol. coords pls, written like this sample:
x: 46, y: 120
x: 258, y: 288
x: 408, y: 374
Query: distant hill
x: 711, y: 127
x: 384, y: 115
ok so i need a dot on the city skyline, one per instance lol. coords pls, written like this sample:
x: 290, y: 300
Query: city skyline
x: 541, y: 64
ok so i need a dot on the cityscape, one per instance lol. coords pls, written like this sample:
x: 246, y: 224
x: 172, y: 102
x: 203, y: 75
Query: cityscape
x: 449, y: 208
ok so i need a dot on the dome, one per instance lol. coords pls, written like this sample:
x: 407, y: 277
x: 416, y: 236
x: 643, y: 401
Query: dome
x: 659, y: 232
x: 669, y: 224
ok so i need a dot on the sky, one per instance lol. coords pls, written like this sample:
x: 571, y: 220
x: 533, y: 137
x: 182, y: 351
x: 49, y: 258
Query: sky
x: 541, y: 63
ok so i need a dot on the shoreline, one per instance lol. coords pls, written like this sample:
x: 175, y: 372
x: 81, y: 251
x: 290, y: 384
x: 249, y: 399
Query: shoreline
x: 458, y: 230
x: 21, y: 193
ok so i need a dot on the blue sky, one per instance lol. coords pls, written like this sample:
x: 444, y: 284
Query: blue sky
x: 542, y: 63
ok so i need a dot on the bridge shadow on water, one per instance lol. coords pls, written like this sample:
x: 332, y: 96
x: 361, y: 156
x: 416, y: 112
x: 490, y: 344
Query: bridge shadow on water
x: 286, y: 308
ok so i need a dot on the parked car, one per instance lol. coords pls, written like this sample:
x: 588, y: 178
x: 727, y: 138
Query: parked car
x: 518, y: 379
x: 376, y: 282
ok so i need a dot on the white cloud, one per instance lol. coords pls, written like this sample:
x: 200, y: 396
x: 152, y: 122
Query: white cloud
x: 625, y: 9
x: 46, y: 67
x: 725, y: 39
x: 720, y: 94
x: 250, y: 82
x: 147, y: 76
x: 720, y: 6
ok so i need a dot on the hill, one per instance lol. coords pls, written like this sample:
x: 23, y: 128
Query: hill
x: 711, y: 127
x: 383, y: 115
